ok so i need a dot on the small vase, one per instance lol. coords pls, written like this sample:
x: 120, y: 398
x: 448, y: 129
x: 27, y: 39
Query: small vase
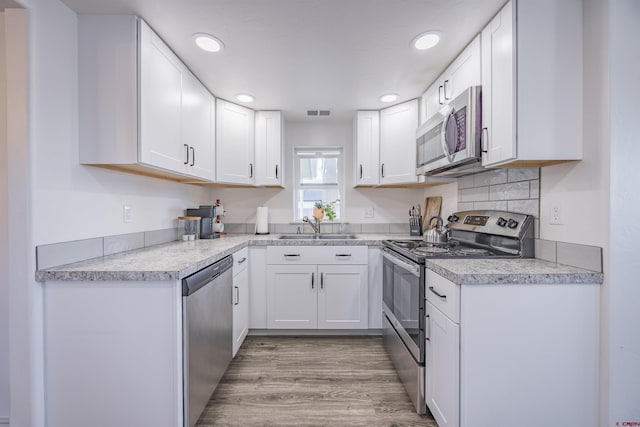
x: 318, y: 213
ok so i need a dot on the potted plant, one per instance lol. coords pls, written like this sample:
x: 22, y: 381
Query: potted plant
x: 321, y: 209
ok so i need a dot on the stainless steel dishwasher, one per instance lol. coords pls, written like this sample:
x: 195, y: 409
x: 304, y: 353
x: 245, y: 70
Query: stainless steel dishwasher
x: 207, y: 320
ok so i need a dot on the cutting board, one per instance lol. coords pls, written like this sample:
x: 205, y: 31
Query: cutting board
x: 432, y: 207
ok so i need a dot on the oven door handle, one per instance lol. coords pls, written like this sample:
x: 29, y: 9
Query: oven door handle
x: 405, y: 265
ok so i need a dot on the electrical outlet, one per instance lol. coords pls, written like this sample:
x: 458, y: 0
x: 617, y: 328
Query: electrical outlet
x: 556, y: 215
x: 127, y: 213
x: 367, y: 212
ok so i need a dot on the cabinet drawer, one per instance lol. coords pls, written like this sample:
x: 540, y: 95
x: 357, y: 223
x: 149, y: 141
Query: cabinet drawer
x: 240, y: 260
x: 317, y: 255
x: 443, y: 294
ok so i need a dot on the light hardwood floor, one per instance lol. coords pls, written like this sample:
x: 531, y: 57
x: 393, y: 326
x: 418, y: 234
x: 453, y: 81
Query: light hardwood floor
x: 311, y: 381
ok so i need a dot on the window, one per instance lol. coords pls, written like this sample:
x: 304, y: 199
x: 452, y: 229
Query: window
x: 318, y: 179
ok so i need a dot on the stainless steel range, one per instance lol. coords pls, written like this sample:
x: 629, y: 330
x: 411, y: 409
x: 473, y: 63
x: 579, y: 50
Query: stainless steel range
x: 472, y: 234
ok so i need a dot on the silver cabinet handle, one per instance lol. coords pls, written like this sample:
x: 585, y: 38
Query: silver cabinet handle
x: 237, y: 289
x: 250, y: 170
x: 439, y: 295
x: 186, y: 162
x: 360, y: 171
x: 382, y: 169
x: 240, y: 261
x: 445, y: 90
x: 428, y: 335
x: 321, y: 280
x: 276, y: 171
x: 440, y: 97
x: 343, y: 255
x: 484, y: 140
x: 312, y: 279
x: 193, y: 156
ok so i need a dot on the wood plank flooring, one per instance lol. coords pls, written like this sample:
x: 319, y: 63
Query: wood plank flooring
x: 311, y: 381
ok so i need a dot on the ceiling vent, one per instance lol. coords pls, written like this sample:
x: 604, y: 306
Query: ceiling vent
x: 318, y: 113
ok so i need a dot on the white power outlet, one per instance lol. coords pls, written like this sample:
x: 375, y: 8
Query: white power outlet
x: 367, y: 212
x: 557, y: 217
x: 127, y: 213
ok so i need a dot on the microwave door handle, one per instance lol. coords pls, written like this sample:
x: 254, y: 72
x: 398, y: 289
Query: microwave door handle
x: 412, y: 268
x: 443, y: 136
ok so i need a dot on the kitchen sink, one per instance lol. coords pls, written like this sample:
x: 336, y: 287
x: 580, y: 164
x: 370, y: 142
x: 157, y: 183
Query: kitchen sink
x: 313, y: 236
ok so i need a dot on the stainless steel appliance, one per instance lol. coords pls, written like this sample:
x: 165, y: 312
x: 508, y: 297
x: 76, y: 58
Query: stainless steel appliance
x: 449, y: 144
x: 472, y: 234
x: 207, y: 319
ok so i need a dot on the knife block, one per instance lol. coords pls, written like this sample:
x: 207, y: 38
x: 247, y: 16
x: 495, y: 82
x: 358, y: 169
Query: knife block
x: 415, y: 229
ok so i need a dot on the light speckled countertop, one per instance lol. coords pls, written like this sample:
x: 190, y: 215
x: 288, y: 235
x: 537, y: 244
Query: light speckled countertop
x: 176, y: 260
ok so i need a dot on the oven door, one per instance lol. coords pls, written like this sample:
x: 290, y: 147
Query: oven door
x: 403, y: 300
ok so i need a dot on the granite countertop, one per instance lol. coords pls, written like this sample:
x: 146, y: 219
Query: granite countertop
x: 176, y: 260
x: 511, y: 271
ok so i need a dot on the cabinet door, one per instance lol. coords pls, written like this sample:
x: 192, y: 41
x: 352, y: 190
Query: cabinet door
x: 498, y: 89
x: 398, y: 126
x: 442, y: 367
x: 198, y: 125
x: 343, y: 297
x: 160, y: 104
x: 268, y: 148
x: 464, y: 71
x: 367, y: 148
x: 234, y: 143
x: 240, y: 308
x: 433, y: 99
x: 292, y: 297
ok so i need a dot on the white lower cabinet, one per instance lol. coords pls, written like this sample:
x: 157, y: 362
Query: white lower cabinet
x: 511, y: 354
x: 240, y: 297
x: 301, y: 295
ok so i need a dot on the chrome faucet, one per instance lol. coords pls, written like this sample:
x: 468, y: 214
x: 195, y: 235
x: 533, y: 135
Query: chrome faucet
x: 315, y: 225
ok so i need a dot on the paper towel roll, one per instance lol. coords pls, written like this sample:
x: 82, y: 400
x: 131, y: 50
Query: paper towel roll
x: 262, y: 220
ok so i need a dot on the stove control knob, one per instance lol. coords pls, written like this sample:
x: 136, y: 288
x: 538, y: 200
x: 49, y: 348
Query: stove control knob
x: 512, y: 223
x: 453, y: 218
x: 501, y: 222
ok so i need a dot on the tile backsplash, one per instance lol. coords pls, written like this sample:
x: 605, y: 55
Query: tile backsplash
x: 516, y: 190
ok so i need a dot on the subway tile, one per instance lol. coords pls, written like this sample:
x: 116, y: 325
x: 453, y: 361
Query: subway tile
x: 56, y: 254
x: 399, y: 227
x: 498, y: 205
x: 587, y: 257
x: 123, y: 243
x: 534, y: 189
x: 517, y: 190
x: 349, y: 228
x: 466, y: 182
x: 158, y: 237
x: 522, y: 174
x: 291, y: 228
x: 272, y: 229
x: 545, y: 249
x: 375, y: 228
x: 237, y: 228
x: 465, y: 206
x: 492, y: 177
x: 529, y: 207
x: 480, y: 194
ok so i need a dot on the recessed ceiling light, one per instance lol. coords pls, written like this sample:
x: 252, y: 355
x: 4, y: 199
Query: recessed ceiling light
x: 426, y: 40
x: 207, y: 42
x: 245, y: 97
x: 389, y: 97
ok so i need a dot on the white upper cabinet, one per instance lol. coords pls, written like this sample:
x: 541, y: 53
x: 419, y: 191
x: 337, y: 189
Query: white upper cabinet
x: 398, y: 126
x: 532, y: 84
x: 234, y: 143
x: 141, y: 109
x: 463, y: 72
x: 268, y: 148
x: 367, y: 148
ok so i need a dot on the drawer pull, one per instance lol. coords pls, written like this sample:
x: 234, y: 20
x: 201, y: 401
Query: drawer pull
x: 343, y: 255
x: 313, y: 275
x: 321, y: 280
x: 291, y: 255
x: 437, y: 294
x: 240, y: 261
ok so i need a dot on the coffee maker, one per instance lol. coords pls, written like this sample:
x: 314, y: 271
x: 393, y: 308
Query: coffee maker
x: 209, y: 214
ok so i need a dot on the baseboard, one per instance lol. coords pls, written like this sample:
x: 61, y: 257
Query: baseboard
x: 315, y: 332
x: 4, y: 421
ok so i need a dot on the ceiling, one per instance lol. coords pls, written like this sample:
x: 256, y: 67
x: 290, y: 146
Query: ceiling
x: 294, y: 55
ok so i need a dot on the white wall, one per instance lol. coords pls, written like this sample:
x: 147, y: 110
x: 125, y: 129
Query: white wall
x: 4, y: 236
x: 390, y: 205
x: 623, y: 292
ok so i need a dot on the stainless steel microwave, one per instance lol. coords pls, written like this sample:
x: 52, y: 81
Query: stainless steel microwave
x: 449, y: 143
